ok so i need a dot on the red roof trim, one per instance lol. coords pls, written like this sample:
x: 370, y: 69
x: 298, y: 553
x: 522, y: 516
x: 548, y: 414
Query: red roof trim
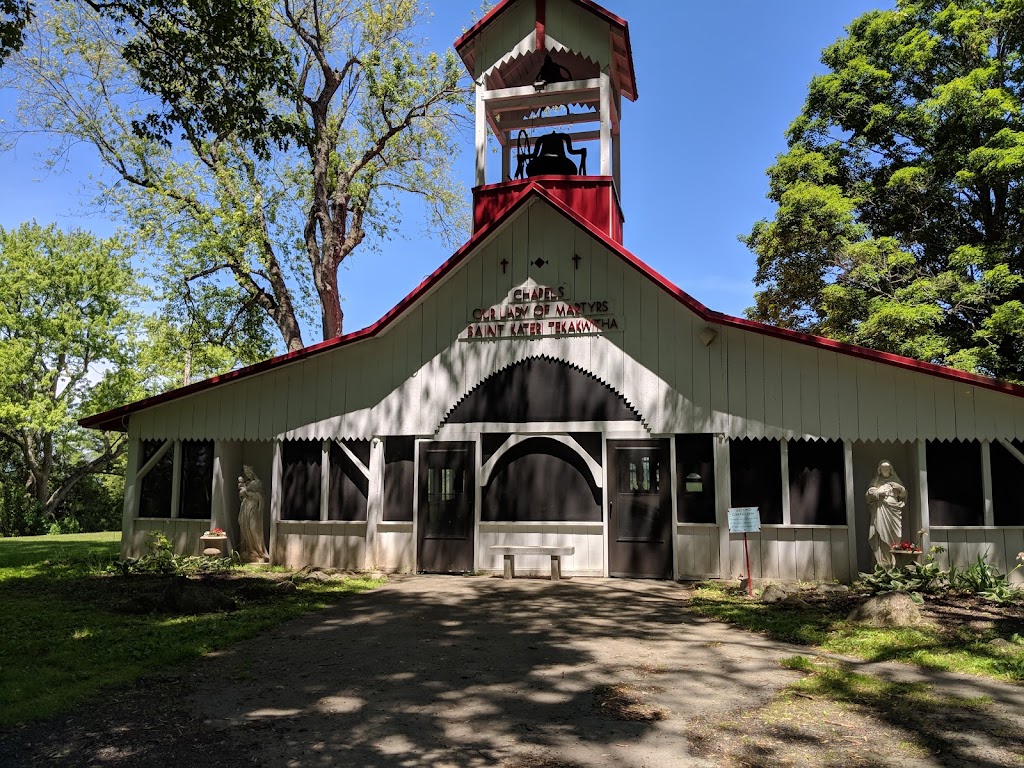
x: 114, y: 419
x: 720, y: 318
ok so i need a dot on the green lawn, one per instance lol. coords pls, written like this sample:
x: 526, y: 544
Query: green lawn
x: 65, y: 631
x: 931, y: 646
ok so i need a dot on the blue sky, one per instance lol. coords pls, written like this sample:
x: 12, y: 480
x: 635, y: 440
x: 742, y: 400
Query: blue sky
x: 719, y: 83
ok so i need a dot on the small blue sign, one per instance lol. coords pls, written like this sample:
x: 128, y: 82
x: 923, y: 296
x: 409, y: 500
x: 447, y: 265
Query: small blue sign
x: 744, y: 519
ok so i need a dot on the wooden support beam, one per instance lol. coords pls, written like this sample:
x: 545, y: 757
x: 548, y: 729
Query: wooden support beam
x: 481, y: 138
x: 723, y: 498
x: 133, y: 483
x: 374, y: 504
x: 922, y: 494
x: 276, y: 503
x: 492, y: 123
x: 986, y: 482
x: 168, y: 444
x: 511, y: 130
x: 363, y: 469
x: 606, y: 125
x: 176, y: 481
x: 1012, y: 449
x: 673, y: 471
x: 851, y: 508
x: 554, y: 89
x: 325, y: 480
x: 787, y: 514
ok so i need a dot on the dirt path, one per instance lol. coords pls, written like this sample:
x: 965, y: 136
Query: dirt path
x: 448, y: 672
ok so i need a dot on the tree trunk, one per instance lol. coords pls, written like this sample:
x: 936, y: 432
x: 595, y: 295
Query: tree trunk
x: 100, y: 462
x: 333, y: 316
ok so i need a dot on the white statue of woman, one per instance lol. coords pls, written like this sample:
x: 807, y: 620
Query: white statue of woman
x: 250, y: 518
x: 886, y: 497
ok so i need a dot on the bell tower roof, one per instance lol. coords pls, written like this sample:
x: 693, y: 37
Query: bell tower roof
x: 519, y: 33
x: 550, y: 79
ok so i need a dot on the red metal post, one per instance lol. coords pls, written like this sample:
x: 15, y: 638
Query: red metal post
x: 746, y: 552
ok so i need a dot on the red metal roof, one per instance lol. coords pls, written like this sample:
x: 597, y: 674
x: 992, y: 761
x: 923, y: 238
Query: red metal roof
x: 618, y: 27
x: 116, y: 419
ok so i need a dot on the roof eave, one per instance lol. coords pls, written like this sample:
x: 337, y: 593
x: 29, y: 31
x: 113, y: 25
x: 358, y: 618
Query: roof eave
x: 117, y: 419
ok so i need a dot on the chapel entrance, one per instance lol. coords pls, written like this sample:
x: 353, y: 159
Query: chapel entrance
x: 640, y: 509
x: 445, y: 516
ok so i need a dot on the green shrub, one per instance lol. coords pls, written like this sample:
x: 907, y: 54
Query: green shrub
x: 981, y: 578
x: 162, y: 561
x: 916, y: 578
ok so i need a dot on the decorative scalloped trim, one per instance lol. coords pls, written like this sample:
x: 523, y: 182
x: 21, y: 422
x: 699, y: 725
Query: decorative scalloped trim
x: 553, y: 359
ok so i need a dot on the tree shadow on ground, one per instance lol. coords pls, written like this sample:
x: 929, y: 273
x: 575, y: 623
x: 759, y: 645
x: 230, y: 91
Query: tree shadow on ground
x: 453, y: 671
x: 444, y: 671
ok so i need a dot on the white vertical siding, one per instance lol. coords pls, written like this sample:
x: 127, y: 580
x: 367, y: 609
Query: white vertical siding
x: 999, y: 546
x: 518, y: 20
x: 328, y: 545
x: 698, y: 551
x: 744, y: 384
x: 578, y: 30
x: 587, y: 560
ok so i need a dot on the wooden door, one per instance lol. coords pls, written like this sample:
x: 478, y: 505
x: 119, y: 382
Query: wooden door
x: 445, y: 519
x: 640, y: 509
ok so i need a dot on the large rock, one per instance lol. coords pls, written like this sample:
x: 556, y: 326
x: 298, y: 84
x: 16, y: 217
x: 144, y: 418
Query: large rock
x: 773, y: 593
x: 890, y: 609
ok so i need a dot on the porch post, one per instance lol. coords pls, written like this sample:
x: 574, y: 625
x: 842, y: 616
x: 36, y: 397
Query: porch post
x: 276, y: 501
x: 851, y: 508
x: 723, y: 492
x: 374, y: 503
x: 131, y: 495
x: 922, y: 495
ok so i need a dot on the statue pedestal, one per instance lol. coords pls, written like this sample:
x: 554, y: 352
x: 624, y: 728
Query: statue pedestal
x: 220, y: 543
x: 904, y: 558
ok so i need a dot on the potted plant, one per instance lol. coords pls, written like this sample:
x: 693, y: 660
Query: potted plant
x: 905, y: 552
x: 214, y: 543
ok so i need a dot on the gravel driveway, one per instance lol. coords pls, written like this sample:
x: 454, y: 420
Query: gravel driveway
x: 442, y: 672
x: 449, y: 671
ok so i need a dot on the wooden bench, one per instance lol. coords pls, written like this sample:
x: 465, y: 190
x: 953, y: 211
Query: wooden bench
x: 555, y: 553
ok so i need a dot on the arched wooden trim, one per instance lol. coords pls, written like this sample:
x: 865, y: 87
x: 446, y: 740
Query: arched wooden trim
x: 568, y: 442
x: 551, y: 359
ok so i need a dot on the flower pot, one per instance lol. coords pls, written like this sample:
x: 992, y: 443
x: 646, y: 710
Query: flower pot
x: 905, y: 557
x: 219, y: 543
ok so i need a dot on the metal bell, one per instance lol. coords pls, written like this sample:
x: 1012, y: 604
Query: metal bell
x: 550, y: 73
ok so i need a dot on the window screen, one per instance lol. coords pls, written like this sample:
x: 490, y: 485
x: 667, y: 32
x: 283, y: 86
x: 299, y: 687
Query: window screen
x: 817, y: 493
x: 1007, y: 484
x: 301, y: 464
x: 755, y: 468
x: 155, y: 491
x: 695, y: 473
x: 196, y: 479
x: 399, y: 477
x: 955, y: 495
x: 349, y: 486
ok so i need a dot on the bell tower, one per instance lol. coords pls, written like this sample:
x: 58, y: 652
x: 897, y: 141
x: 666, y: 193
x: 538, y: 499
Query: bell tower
x: 550, y: 79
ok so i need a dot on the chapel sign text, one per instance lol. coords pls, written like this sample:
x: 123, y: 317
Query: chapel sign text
x: 537, y: 312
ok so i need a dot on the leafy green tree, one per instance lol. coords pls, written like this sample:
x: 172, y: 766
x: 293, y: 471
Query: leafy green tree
x: 68, y: 347
x: 248, y: 238
x: 900, y: 221
x: 14, y: 15
x: 210, y: 63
